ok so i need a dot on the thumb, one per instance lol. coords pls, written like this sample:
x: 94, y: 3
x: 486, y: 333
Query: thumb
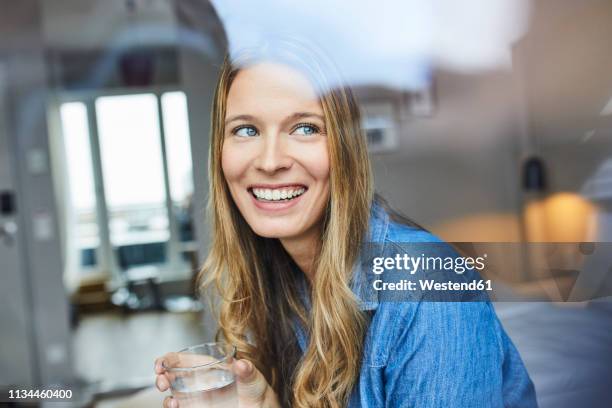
x: 251, y: 383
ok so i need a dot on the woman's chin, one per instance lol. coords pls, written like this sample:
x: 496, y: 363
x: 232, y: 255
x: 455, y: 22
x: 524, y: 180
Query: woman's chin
x: 279, y: 233
x: 276, y: 229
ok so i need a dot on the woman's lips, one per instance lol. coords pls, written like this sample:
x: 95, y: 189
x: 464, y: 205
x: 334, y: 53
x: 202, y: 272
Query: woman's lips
x: 277, y: 186
x: 279, y: 205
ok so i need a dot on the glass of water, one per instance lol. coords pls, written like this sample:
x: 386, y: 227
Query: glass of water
x: 200, y: 376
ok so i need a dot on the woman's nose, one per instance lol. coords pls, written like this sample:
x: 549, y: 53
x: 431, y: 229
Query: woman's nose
x: 273, y: 156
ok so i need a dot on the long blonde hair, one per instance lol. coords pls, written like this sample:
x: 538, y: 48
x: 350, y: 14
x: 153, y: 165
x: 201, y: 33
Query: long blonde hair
x: 258, y: 283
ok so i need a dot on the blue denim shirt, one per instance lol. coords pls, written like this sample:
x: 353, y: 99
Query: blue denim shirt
x: 432, y: 354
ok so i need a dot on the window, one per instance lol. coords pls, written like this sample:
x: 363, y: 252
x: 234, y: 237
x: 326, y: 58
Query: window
x: 178, y: 147
x: 142, y: 152
x: 130, y: 150
x: 81, y: 191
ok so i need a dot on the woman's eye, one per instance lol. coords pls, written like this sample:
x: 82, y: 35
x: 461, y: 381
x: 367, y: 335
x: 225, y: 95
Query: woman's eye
x: 306, y: 129
x: 246, y: 131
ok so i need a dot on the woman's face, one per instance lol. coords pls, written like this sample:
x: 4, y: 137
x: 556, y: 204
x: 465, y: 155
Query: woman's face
x: 275, y: 158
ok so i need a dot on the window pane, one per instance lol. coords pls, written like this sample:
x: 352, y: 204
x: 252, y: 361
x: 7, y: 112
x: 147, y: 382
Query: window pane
x: 130, y: 149
x: 82, y: 222
x: 178, y: 145
x: 178, y: 149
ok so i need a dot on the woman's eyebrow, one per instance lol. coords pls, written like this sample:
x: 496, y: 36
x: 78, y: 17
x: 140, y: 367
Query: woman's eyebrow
x: 239, y: 117
x: 303, y: 115
x: 292, y: 117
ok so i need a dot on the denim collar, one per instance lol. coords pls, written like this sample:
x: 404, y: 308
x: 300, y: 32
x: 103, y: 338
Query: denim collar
x: 361, y: 281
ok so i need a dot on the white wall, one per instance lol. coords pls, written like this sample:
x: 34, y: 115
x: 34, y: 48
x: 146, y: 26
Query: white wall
x: 199, y: 63
x: 458, y: 173
x: 16, y: 354
x: 36, y: 278
x: 463, y: 161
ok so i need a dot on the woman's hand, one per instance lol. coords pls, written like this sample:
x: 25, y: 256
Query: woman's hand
x: 253, y: 389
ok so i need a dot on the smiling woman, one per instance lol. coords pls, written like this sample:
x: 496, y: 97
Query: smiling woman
x: 292, y: 207
x: 275, y: 144
x: 279, y: 130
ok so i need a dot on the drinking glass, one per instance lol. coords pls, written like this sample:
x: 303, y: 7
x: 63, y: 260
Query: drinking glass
x: 200, y: 376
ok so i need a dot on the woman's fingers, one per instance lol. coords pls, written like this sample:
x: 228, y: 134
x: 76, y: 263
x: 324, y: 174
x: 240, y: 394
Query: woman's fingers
x: 162, y: 383
x: 166, y: 361
x: 251, y: 383
x: 170, y: 402
x: 163, y: 379
x: 159, y: 366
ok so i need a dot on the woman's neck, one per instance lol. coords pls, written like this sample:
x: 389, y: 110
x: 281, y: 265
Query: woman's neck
x: 304, y: 250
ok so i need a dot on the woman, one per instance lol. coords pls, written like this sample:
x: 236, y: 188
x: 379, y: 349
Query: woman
x: 292, y: 208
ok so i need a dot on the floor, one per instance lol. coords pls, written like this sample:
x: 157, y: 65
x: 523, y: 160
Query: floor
x: 147, y: 398
x: 118, y: 352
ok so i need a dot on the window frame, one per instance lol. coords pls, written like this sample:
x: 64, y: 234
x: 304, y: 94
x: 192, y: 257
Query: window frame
x: 106, y: 256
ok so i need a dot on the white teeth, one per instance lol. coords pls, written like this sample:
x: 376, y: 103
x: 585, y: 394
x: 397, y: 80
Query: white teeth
x: 278, y: 194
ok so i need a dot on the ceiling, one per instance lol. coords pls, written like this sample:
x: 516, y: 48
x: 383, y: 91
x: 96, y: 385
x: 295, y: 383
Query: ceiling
x: 94, y: 24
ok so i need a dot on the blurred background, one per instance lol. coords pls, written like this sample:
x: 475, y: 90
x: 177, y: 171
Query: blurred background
x: 487, y: 121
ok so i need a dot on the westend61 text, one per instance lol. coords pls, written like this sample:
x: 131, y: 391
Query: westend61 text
x: 429, y: 284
